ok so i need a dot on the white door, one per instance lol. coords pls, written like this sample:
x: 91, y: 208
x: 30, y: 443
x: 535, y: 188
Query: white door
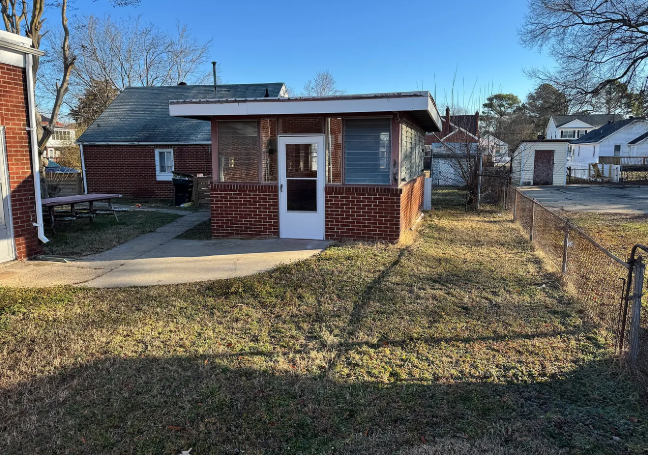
x: 302, y: 168
x: 7, y: 246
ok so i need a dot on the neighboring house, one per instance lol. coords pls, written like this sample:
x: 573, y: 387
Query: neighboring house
x: 611, y: 140
x: 21, y: 220
x: 332, y: 167
x: 63, y: 136
x: 540, y: 162
x: 497, y: 149
x: 452, y: 148
x: 134, y: 145
x: 639, y: 146
x: 575, y: 126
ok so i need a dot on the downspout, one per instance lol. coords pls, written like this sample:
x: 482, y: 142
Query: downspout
x: 85, y: 182
x: 34, y: 149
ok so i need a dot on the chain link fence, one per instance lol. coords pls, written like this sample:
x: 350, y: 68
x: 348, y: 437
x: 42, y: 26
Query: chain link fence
x: 601, y: 281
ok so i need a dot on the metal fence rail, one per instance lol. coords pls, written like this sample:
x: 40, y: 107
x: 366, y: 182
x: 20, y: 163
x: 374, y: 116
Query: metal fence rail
x: 598, y: 278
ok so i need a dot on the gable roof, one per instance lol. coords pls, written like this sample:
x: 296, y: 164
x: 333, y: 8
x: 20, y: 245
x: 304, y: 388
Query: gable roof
x: 141, y: 114
x: 465, y: 126
x: 606, y: 130
x: 641, y: 138
x: 596, y: 120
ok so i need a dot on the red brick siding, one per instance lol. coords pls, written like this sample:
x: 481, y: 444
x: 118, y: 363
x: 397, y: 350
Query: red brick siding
x: 13, y: 116
x: 359, y: 212
x: 244, y: 210
x: 301, y: 125
x: 130, y: 169
x: 411, y: 205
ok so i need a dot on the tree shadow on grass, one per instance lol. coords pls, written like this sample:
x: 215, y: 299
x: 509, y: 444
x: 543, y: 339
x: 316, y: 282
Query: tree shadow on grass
x: 165, y: 405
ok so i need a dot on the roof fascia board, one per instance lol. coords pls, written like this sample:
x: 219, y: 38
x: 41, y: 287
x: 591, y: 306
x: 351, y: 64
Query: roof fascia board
x: 305, y: 107
x: 21, y: 49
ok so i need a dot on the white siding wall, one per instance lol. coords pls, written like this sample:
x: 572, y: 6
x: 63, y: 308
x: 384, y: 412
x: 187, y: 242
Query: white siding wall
x: 524, y: 162
x: 622, y: 137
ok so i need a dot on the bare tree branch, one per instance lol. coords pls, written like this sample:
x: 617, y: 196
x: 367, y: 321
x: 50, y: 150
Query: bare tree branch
x: 595, y: 43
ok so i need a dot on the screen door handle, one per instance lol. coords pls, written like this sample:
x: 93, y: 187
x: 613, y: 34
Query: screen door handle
x: 281, y: 188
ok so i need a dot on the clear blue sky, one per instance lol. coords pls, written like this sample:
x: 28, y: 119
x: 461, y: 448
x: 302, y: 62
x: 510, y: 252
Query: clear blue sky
x: 369, y: 46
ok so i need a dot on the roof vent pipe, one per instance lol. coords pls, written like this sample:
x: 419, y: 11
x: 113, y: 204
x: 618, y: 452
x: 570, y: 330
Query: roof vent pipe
x: 214, y: 71
x: 267, y: 95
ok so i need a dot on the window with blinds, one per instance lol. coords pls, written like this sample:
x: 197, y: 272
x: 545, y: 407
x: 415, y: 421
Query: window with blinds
x: 367, y: 151
x: 238, y: 151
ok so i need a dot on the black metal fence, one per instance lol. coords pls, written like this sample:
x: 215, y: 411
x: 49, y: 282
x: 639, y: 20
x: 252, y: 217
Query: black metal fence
x: 603, y: 282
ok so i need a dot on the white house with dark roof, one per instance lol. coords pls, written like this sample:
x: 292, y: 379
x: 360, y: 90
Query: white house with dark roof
x: 639, y: 146
x: 576, y: 126
x: 612, y: 139
x: 135, y: 145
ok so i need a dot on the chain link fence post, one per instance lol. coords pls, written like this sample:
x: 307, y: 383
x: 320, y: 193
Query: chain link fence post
x: 533, y: 204
x: 515, y: 204
x: 565, y: 245
x: 639, y: 270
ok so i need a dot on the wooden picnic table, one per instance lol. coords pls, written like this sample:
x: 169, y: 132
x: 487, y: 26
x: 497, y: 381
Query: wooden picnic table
x: 72, y: 201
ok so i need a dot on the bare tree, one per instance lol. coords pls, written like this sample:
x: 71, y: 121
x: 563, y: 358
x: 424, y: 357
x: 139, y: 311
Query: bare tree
x: 594, y: 42
x: 323, y: 84
x: 14, y: 13
x: 130, y: 53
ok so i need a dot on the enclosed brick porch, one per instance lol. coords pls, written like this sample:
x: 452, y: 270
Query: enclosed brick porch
x: 268, y: 176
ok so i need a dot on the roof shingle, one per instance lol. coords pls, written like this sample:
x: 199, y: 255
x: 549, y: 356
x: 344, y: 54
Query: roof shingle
x: 141, y: 114
x: 601, y: 133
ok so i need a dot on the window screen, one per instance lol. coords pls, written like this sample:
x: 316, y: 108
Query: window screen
x: 411, y: 152
x: 367, y: 151
x: 238, y: 151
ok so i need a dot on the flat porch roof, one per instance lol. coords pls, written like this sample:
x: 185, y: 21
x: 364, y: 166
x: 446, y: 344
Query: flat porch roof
x: 419, y: 105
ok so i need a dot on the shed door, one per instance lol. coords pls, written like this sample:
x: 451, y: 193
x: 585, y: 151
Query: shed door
x: 302, y: 165
x: 543, y: 167
x: 7, y: 246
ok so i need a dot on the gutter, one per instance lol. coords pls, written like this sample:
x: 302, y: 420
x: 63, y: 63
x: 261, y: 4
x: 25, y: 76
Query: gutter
x: 85, y: 182
x: 34, y: 149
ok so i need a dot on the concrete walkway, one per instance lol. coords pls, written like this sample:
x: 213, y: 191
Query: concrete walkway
x: 159, y: 258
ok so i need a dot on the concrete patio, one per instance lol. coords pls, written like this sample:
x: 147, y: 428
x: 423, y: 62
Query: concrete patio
x: 160, y: 258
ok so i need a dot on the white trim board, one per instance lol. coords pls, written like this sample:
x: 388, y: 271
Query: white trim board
x: 308, y: 106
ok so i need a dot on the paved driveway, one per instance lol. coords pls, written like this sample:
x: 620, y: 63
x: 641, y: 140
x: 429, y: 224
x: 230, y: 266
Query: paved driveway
x: 160, y: 258
x: 632, y: 200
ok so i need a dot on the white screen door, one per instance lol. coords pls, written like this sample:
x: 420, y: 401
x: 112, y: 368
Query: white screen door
x: 302, y: 165
x: 7, y: 246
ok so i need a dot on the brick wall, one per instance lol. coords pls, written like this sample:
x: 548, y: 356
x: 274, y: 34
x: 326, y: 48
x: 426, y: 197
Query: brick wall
x: 13, y: 116
x: 244, y: 210
x: 130, y: 169
x: 301, y: 125
x: 411, y: 205
x: 362, y: 212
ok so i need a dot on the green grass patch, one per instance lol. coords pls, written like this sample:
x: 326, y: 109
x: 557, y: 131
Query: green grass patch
x: 201, y: 231
x: 459, y: 342
x: 82, y: 237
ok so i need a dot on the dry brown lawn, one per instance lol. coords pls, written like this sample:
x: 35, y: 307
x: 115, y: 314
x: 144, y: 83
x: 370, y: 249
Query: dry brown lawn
x: 459, y: 342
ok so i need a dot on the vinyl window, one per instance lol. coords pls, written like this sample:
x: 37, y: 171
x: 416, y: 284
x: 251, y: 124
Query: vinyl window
x: 164, y: 164
x: 617, y: 150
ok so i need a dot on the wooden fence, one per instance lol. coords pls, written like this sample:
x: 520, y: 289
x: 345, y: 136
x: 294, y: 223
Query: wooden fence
x: 58, y: 185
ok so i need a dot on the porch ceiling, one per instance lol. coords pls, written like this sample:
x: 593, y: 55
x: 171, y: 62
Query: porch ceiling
x: 419, y: 105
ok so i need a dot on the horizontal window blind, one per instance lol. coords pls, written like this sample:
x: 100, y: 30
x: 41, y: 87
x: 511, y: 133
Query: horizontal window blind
x: 367, y: 151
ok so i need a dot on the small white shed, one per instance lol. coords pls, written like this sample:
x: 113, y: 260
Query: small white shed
x: 540, y: 162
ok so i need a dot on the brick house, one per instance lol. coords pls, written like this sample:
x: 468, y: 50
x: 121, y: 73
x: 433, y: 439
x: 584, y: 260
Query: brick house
x: 21, y: 224
x: 134, y: 145
x: 336, y: 167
